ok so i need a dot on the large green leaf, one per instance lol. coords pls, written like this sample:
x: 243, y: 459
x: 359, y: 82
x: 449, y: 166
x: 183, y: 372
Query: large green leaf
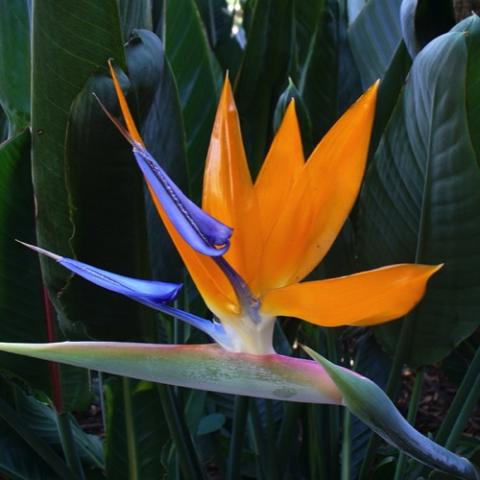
x: 136, y: 429
x: 207, y: 367
x: 319, y: 70
x: 371, y: 405
x: 263, y: 74
x: 198, y: 80
x: 420, y: 200
x: 21, y: 307
x: 71, y: 41
x: 374, y: 36
x: 15, y: 62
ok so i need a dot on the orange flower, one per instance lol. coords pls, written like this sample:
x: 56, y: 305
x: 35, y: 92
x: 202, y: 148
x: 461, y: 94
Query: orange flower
x: 283, y: 225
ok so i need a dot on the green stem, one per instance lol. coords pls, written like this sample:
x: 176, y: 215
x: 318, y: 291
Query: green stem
x: 333, y: 411
x: 238, y: 434
x: 133, y: 466
x: 188, y: 457
x: 64, y: 423
x: 347, y: 446
x: 258, y: 439
x: 462, y: 418
x: 272, y: 471
x: 290, y: 418
x: 458, y: 403
x: 411, y: 416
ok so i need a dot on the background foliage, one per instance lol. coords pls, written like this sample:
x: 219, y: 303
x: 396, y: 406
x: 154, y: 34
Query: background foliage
x: 68, y: 183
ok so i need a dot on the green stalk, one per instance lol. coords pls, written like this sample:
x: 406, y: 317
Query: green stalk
x: 258, y: 439
x: 133, y: 466
x: 64, y: 424
x: 238, y: 434
x: 333, y: 411
x: 272, y: 470
x: 458, y: 403
x: 346, y: 446
x: 189, y: 462
x: 291, y: 414
x: 462, y: 418
x: 11, y: 417
x: 411, y: 416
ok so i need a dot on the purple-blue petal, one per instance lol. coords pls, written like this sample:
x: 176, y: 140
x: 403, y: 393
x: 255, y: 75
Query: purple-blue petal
x: 149, y: 292
x: 200, y: 230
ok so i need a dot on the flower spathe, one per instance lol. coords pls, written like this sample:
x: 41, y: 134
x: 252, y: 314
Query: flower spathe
x: 283, y: 225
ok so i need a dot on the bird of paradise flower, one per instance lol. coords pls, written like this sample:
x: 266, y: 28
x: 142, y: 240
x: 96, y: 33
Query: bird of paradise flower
x: 247, y: 252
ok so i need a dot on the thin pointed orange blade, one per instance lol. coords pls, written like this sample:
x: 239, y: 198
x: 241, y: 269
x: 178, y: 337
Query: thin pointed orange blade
x: 319, y: 202
x: 227, y: 187
x: 127, y: 116
x: 366, y: 298
x: 281, y: 169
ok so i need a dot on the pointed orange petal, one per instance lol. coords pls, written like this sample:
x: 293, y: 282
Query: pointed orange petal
x: 280, y: 170
x: 127, y: 116
x: 227, y: 186
x: 366, y: 298
x: 322, y: 197
x: 209, y: 279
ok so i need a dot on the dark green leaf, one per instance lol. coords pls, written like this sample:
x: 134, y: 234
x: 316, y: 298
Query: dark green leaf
x: 135, y: 14
x: 374, y: 36
x: 420, y: 200
x: 198, y: 80
x: 21, y: 307
x: 263, y: 74
x: 211, y: 423
x: 63, y: 60
x: 423, y: 20
x: 318, y: 82
x: 15, y: 62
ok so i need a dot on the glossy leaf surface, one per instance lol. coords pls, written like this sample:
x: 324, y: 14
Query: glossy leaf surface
x: 420, y: 200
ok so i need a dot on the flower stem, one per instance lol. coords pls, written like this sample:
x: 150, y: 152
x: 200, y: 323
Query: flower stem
x: 238, y: 434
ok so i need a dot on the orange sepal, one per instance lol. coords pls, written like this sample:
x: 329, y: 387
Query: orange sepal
x: 227, y: 187
x: 319, y: 202
x: 280, y: 170
x: 366, y: 298
x: 127, y: 116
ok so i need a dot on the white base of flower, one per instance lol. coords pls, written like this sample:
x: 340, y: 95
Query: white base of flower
x: 247, y: 336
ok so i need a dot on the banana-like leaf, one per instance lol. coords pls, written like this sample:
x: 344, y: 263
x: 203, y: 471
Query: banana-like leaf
x: 370, y: 403
x: 263, y: 73
x: 374, y: 36
x: 15, y: 62
x: 207, y: 367
x: 63, y: 61
x: 20, y: 277
x: 423, y: 20
x: 197, y: 77
x: 421, y: 196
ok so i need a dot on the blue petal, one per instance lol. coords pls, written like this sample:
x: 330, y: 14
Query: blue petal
x: 150, y: 292
x: 154, y: 294
x: 202, y: 232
